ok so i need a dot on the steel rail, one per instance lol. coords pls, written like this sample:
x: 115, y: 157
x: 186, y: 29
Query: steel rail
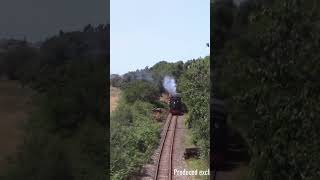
x: 172, y: 119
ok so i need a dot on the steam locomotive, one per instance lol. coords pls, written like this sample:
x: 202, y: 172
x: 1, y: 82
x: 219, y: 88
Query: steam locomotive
x: 175, y: 104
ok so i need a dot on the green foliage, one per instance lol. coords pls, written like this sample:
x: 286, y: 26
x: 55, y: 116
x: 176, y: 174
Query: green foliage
x: 195, y: 87
x: 133, y: 138
x: 163, y: 68
x: 269, y: 77
x: 65, y: 136
x: 15, y: 62
x: 47, y: 155
x: 140, y: 90
x: 116, y: 80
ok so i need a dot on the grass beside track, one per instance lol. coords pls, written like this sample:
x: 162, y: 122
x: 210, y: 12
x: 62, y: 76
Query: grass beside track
x: 192, y: 163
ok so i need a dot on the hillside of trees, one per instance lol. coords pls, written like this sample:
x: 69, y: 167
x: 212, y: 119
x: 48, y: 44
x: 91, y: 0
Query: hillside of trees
x: 265, y: 66
x: 65, y: 136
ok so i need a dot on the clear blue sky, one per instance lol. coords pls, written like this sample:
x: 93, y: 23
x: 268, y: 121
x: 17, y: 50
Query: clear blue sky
x: 144, y: 32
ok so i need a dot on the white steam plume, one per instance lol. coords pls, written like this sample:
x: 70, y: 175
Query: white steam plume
x: 170, y: 85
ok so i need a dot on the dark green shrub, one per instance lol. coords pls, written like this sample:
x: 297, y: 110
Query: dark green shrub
x: 140, y: 90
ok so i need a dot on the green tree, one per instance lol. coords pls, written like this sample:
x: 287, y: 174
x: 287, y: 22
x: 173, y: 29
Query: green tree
x: 269, y: 76
x: 195, y: 87
x: 140, y: 90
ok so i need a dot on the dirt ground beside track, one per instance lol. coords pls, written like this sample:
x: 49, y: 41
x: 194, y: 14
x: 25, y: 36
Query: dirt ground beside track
x: 114, y: 98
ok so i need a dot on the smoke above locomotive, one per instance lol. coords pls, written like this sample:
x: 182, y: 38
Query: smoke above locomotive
x: 170, y: 85
x: 175, y: 103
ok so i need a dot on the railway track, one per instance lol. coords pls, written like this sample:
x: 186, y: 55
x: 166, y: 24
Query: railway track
x: 164, y: 166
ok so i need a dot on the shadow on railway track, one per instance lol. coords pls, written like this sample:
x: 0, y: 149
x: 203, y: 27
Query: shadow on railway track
x: 237, y: 153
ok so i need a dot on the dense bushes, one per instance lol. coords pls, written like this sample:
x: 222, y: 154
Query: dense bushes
x: 268, y: 76
x: 194, y: 85
x: 140, y: 90
x: 19, y: 63
x: 65, y: 136
x: 46, y: 155
x: 134, y: 136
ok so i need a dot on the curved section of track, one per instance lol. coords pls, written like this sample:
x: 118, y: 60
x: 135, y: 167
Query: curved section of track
x: 164, y: 163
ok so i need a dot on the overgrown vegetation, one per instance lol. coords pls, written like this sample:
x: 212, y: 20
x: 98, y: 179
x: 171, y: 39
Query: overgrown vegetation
x: 65, y: 136
x: 195, y: 163
x: 134, y: 136
x: 266, y: 68
x: 134, y: 132
x: 194, y: 85
x: 140, y: 90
